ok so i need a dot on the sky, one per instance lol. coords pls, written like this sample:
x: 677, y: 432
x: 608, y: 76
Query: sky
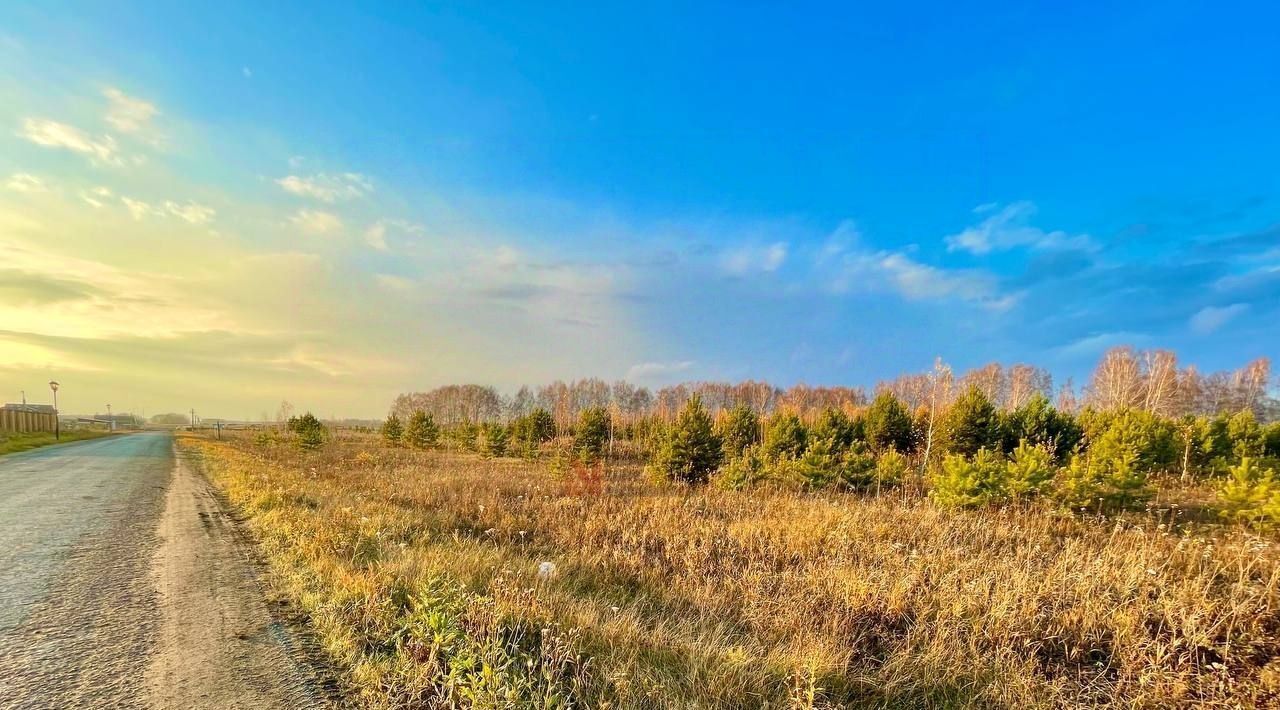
x: 220, y: 206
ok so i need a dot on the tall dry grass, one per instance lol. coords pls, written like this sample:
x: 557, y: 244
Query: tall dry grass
x: 420, y: 572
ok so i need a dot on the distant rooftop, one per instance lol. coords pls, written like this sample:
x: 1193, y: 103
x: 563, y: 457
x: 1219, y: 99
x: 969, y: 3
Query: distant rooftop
x: 37, y: 408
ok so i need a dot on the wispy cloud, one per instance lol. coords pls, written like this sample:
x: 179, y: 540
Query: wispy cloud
x: 95, y: 196
x: 137, y: 208
x: 128, y: 114
x: 754, y: 259
x: 376, y: 234
x: 316, y: 221
x: 1211, y: 318
x: 852, y: 267
x: 1009, y: 228
x: 25, y: 183
x: 191, y: 212
x: 327, y: 188
x: 51, y: 134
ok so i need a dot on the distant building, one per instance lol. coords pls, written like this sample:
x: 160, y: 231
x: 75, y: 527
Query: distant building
x: 27, y: 418
x: 33, y: 408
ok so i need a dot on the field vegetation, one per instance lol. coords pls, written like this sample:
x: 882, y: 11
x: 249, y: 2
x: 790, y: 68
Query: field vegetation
x: 951, y: 542
x: 13, y: 442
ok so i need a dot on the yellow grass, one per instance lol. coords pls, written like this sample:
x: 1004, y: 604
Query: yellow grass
x: 419, y: 571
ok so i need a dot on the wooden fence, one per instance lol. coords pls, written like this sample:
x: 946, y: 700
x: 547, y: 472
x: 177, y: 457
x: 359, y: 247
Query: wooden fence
x: 18, y: 421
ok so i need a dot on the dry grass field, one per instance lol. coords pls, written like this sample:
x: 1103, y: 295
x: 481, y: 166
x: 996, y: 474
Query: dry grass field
x: 424, y: 575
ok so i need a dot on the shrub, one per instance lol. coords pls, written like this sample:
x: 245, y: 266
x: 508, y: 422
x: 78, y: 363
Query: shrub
x: 745, y: 470
x: 1195, y: 437
x: 987, y: 477
x: 392, y: 429
x: 493, y: 440
x: 971, y: 423
x: 826, y: 463
x: 591, y: 437
x: 1107, y: 481
x: 891, y: 468
x: 534, y: 428
x: 1251, y: 494
x: 1029, y: 469
x: 311, y: 433
x: 1038, y: 423
x: 692, y: 450
x: 785, y: 436
x: 531, y: 430
x: 1148, y: 442
x: 1080, y: 485
x: 1246, y: 437
x: 739, y: 429
x: 888, y: 424
x: 466, y: 435
x: 1271, y: 440
x: 422, y: 432
x: 969, y: 481
x: 835, y: 425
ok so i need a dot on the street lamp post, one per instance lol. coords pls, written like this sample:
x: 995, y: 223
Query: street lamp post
x: 57, y: 421
x: 111, y: 421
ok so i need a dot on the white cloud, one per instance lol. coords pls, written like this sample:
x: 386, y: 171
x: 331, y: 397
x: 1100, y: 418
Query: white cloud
x: 127, y: 114
x: 1008, y: 229
x: 656, y: 370
x: 25, y: 183
x: 860, y: 269
x: 752, y: 259
x: 137, y: 208
x: 95, y: 196
x: 376, y: 236
x: 51, y: 134
x: 191, y: 212
x: 316, y: 222
x: 1211, y: 318
x: 327, y: 188
x: 1090, y: 346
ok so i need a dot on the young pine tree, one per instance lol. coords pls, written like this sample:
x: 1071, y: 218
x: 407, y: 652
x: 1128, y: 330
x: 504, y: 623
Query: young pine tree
x: 888, y: 425
x: 785, y: 436
x: 311, y: 433
x: 971, y: 423
x: 692, y: 450
x: 1038, y: 423
x: 1251, y: 495
x: 591, y: 438
x: 493, y: 440
x: 1247, y: 438
x: 970, y: 481
x: 740, y: 428
x: 392, y: 429
x: 422, y: 432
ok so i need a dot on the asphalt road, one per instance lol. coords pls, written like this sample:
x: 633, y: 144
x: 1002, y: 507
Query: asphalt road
x: 123, y: 584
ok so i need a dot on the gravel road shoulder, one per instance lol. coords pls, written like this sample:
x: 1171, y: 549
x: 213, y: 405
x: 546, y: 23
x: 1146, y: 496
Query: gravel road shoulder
x: 220, y: 644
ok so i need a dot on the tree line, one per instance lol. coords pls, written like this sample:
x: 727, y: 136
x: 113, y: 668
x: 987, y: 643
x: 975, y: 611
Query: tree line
x: 991, y: 435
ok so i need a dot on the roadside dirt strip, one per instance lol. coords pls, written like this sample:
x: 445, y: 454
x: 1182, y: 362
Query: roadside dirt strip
x: 134, y: 589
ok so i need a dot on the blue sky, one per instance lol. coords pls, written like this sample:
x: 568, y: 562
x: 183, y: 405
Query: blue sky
x: 381, y: 198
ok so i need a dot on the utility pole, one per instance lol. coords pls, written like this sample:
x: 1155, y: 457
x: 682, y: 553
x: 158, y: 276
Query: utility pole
x: 111, y: 421
x: 193, y: 419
